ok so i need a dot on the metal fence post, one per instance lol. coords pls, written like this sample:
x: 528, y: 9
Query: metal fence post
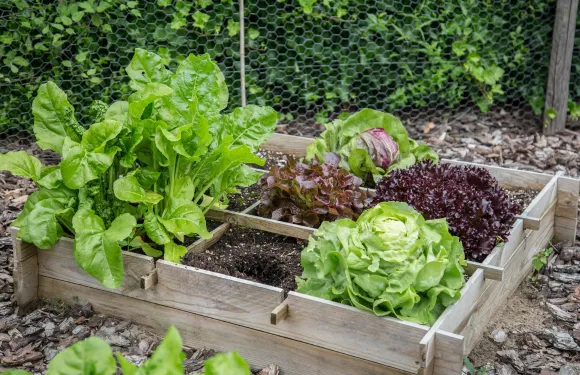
x: 556, y: 105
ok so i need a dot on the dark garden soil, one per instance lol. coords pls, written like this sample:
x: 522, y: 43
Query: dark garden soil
x: 522, y: 197
x: 253, y: 255
x: 244, y: 199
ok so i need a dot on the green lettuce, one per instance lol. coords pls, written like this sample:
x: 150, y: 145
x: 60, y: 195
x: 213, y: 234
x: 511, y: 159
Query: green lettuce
x: 162, y: 158
x: 347, y: 139
x: 391, y: 262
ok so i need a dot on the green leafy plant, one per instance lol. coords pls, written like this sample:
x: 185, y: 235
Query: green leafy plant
x: 371, y: 144
x: 391, y: 261
x: 94, y: 356
x: 540, y: 259
x: 471, y: 369
x: 309, y: 194
x: 145, y: 172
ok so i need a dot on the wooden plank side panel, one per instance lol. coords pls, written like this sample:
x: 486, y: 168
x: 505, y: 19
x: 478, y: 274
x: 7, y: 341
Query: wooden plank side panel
x: 349, y: 330
x: 495, y: 295
x: 449, y: 349
x: 567, y: 211
x: 215, y: 295
x: 26, y: 283
x: 258, y: 348
x: 59, y: 263
x: 20, y: 249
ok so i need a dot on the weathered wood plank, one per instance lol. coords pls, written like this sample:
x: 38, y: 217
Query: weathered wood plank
x: 449, y: 350
x: 258, y: 348
x: 203, y: 244
x: 495, y: 294
x: 560, y: 64
x: 20, y: 249
x: 150, y: 280
x: 26, y: 283
x: 567, y: 210
x: 349, y: 330
x: 261, y: 223
x: 215, y: 295
x: 59, y: 263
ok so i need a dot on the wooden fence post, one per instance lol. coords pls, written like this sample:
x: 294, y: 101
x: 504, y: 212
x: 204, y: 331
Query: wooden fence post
x: 555, y: 108
x: 242, y: 55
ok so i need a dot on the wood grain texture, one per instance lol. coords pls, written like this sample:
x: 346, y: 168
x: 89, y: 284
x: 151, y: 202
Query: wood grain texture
x: 349, y: 330
x: 215, y: 295
x: 59, y: 263
x: 20, y: 249
x: 567, y: 210
x: 203, y: 244
x: 558, y: 84
x: 26, y: 284
x: 258, y: 348
x: 261, y: 223
x: 495, y: 294
x: 279, y: 313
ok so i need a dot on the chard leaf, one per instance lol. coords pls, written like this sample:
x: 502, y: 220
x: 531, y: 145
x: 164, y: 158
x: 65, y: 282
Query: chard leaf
x: 145, y: 176
x: 129, y: 145
x: 16, y: 372
x: 147, y: 249
x: 173, y: 252
x: 128, y: 189
x: 19, y: 163
x: 38, y: 221
x: 185, y: 218
x: 53, y: 118
x: 127, y: 368
x: 145, y: 96
x: 199, y: 89
x: 251, y: 125
x: 146, y: 67
x: 80, y: 166
x: 96, y: 249
x: 50, y: 177
x: 154, y: 229
x: 196, y: 141
x: 118, y: 111
x: 96, y: 137
x: 92, y: 356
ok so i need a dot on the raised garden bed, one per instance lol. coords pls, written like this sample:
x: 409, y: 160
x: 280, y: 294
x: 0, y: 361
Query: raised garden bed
x: 304, y: 334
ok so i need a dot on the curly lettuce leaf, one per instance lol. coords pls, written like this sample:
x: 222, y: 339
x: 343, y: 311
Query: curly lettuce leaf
x: 391, y: 261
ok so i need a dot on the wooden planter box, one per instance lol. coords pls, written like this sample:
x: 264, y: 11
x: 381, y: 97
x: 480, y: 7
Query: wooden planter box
x: 304, y: 334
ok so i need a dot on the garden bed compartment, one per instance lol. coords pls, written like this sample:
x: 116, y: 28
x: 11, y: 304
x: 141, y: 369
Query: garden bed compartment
x: 304, y: 334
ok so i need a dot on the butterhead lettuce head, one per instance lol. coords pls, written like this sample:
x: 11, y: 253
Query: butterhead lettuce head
x: 391, y: 261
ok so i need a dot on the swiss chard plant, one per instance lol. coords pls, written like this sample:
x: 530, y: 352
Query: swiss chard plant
x: 143, y: 174
x: 93, y: 356
x: 371, y: 144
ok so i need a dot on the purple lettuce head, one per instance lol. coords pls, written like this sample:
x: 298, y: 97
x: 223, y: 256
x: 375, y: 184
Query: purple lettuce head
x: 381, y: 147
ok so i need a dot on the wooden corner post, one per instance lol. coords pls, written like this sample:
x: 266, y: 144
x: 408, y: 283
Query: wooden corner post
x: 25, y: 273
x: 556, y: 105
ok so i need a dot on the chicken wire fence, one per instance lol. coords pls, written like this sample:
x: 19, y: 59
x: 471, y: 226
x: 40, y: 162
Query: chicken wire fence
x: 310, y: 59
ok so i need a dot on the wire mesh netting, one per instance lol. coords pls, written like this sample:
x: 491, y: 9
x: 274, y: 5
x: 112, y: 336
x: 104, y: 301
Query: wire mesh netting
x: 309, y: 59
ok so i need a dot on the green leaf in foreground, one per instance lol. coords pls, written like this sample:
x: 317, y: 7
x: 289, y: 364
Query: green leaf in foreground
x: 19, y: 163
x: 128, y: 189
x: 226, y: 364
x: 96, y: 249
x: 92, y: 356
x: 53, y: 118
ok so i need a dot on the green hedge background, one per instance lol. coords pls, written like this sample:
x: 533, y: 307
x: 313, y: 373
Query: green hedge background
x: 305, y: 57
